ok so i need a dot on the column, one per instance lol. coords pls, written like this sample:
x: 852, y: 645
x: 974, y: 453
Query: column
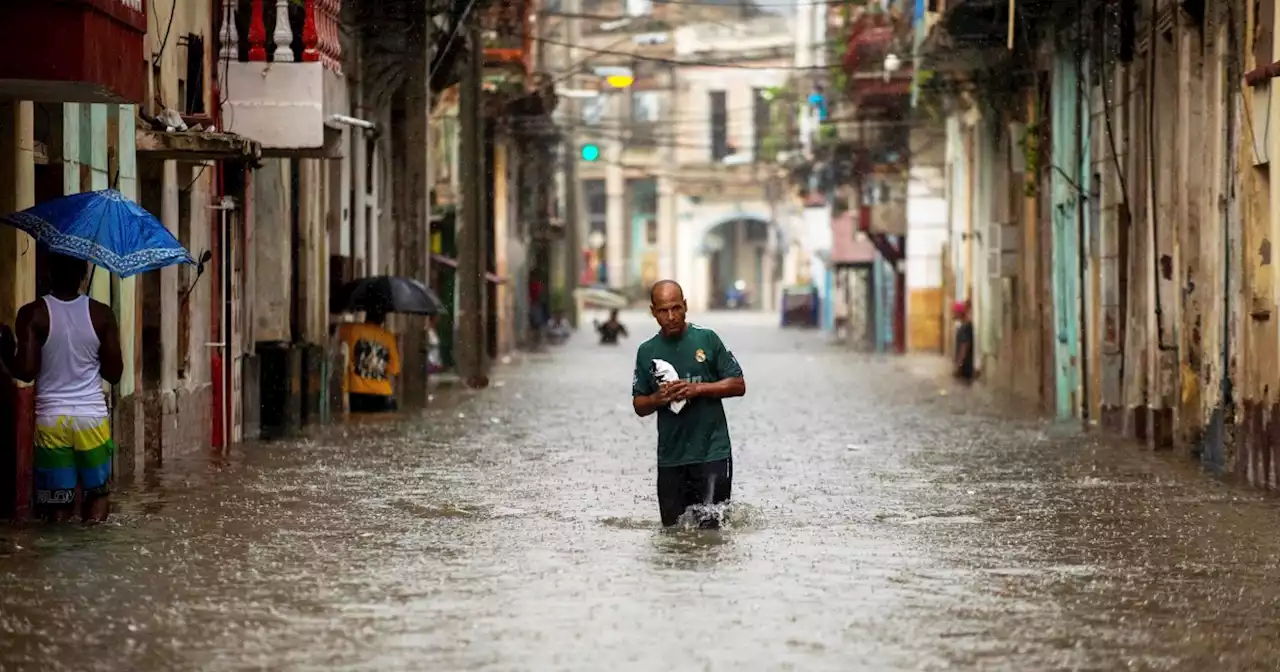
x: 698, y: 286
x: 501, y: 200
x: 93, y: 149
x: 666, y: 227
x: 169, y: 290
x: 616, y: 229
x: 768, y: 287
x: 125, y: 289
x: 17, y: 192
x: 17, y: 288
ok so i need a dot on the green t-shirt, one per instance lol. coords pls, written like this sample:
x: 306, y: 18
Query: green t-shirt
x: 699, y: 432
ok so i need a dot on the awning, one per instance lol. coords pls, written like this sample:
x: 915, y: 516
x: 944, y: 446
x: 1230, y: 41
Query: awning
x: 453, y: 263
x: 848, y: 244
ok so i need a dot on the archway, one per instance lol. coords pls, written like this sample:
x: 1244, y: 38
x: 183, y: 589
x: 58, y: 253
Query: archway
x: 738, y: 273
x: 695, y: 220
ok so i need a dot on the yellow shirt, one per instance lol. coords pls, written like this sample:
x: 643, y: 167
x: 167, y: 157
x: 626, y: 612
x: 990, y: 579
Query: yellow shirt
x: 373, y: 358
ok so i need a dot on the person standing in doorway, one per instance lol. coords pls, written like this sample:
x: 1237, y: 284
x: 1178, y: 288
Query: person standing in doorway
x: 695, y: 456
x: 537, y: 311
x: 964, y: 369
x: 67, y: 344
x: 373, y: 359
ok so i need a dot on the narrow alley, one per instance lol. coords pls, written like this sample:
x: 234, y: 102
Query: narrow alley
x: 882, y: 520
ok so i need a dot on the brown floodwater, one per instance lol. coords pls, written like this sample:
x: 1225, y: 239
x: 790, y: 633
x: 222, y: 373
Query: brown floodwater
x: 878, y: 524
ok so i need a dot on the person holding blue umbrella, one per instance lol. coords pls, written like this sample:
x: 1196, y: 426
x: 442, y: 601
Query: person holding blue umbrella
x: 67, y: 343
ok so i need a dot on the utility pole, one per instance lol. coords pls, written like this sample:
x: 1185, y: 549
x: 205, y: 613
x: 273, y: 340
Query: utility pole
x: 472, y: 342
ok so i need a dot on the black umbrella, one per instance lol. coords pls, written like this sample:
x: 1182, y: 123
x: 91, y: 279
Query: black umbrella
x: 388, y: 293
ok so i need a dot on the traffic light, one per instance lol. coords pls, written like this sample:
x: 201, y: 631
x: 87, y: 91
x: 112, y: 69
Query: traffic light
x: 590, y: 152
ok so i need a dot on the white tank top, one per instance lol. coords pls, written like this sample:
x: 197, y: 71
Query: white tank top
x: 70, y: 380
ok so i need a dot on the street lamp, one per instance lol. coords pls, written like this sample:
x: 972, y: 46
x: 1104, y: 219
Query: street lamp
x: 617, y: 77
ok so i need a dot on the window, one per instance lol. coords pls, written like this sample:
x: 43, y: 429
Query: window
x: 645, y: 195
x: 651, y: 231
x: 596, y: 197
x: 644, y: 117
x: 644, y: 106
x: 593, y: 110
x: 191, y: 88
x: 760, y: 120
x: 719, y: 126
x: 639, y: 7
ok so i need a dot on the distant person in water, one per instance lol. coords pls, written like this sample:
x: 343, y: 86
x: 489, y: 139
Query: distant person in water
x: 695, y: 458
x: 963, y: 365
x: 373, y: 360
x: 611, y: 330
x: 68, y: 344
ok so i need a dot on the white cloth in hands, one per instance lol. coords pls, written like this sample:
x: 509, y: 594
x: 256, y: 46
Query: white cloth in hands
x: 665, y: 373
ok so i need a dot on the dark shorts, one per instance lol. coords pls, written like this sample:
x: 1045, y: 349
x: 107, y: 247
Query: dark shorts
x: 371, y: 403
x: 692, y: 484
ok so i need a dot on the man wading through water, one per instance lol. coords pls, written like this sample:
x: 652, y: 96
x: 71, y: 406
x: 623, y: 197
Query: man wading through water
x: 695, y: 461
x: 68, y: 344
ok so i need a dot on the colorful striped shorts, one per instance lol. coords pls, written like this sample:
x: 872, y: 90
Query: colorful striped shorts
x: 70, y: 450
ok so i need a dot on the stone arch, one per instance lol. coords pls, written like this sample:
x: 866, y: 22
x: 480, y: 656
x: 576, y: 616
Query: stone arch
x: 693, y: 262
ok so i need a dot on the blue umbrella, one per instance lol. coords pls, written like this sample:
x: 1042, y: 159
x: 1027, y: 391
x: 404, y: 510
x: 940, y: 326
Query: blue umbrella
x: 104, y: 228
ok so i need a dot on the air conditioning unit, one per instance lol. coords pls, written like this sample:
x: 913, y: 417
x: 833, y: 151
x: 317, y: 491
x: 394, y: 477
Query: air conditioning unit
x: 1003, y: 241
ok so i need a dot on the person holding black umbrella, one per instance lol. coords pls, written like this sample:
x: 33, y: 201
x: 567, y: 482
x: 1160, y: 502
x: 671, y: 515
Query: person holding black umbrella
x: 373, y: 359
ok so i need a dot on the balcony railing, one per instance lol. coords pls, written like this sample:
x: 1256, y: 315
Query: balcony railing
x: 282, y: 31
x: 508, y: 38
x: 284, y: 80
x: 873, y: 58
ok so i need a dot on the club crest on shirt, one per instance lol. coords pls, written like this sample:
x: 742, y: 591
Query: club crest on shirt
x: 700, y: 356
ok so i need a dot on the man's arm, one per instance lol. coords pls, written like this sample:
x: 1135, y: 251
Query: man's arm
x: 23, y: 361
x: 731, y: 383
x: 646, y: 398
x: 110, y: 361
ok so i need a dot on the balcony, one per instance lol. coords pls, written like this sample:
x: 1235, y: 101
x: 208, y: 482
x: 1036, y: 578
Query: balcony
x: 876, y: 52
x: 284, y: 76
x: 508, y: 39
x: 85, y: 51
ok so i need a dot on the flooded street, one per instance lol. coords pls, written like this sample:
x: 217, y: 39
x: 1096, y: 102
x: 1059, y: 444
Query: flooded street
x: 878, y: 524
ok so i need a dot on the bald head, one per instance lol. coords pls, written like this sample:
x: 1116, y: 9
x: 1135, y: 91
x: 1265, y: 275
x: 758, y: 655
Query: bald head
x: 665, y: 291
x: 666, y: 300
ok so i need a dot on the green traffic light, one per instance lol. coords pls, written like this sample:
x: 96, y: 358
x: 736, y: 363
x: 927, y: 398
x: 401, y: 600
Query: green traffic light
x: 590, y: 152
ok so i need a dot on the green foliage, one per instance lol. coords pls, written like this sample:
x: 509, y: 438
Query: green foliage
x: 1031, y: 149
x: 783, y: 103
x: 561, y: 301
